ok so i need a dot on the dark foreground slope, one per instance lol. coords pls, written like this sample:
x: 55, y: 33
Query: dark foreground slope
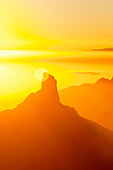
x: 42, y: 134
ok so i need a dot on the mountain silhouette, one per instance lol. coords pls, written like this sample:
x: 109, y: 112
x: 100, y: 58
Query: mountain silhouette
x: 43, y: 134
x: 104, y: 81
x: 92, y: 101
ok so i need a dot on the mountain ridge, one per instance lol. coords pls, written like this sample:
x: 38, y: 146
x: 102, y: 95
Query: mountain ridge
x: 43, y: 134
x: 93, y: 101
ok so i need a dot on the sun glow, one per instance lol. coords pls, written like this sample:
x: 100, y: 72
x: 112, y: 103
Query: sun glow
x: 23, y: 53
x: 39, y: 73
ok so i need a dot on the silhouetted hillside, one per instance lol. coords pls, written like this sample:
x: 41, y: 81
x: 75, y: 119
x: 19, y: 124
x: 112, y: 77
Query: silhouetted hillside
x: 43, y: 134
x: 92, y: 101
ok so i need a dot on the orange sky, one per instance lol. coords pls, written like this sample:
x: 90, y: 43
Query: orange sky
x: 54, y: 25
x: 56, y: 35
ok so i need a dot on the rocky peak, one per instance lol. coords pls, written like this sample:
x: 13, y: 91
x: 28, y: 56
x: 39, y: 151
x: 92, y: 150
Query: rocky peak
x: 49, y: 87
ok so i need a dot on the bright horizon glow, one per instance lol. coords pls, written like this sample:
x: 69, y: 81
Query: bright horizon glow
x: 41, y: 54
x: 23, y: 53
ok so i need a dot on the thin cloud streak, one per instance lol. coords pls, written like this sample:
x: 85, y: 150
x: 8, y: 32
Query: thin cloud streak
x: 103, y: 49
x: 89, y: 73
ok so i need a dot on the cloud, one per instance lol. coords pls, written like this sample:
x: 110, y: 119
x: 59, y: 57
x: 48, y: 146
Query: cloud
x: 103, y: 49
x: 89, y: 73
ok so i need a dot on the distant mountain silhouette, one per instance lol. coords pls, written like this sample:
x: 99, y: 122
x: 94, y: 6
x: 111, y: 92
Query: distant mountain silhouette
x: 92, y: 101
x: 104, y: 82
x: 43, y: 134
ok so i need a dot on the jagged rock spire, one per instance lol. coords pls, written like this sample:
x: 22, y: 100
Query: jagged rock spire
x: 49, y: 87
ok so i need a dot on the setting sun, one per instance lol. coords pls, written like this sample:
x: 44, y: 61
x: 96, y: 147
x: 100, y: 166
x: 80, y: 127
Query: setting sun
x: 39, y: 73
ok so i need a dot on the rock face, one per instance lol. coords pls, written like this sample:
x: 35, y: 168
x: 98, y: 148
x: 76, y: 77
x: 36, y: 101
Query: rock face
x: 49, y: 88
x: 43, y: 134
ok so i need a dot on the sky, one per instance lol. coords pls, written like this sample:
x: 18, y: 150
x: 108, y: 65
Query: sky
x: 56, y: 25
x: 71, y: 39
